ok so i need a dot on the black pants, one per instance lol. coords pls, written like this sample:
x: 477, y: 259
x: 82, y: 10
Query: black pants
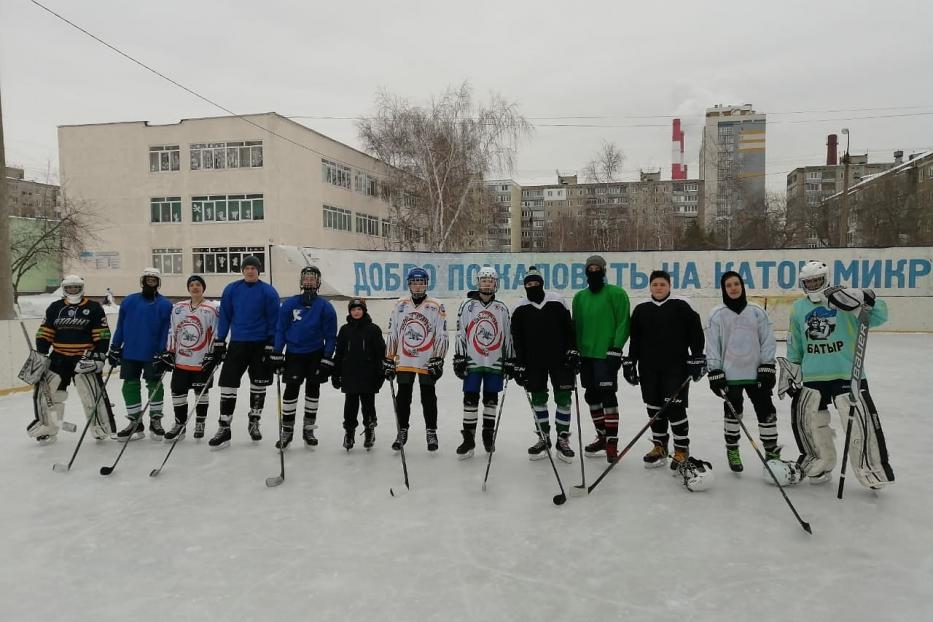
x: 301, y: 368
x: 244, y: 356
x: 351, y: 406
x: 184, y: 380
x: 601, y: 386
x: 406, y: 387
x: 764, y: 411
x: 657, y: 387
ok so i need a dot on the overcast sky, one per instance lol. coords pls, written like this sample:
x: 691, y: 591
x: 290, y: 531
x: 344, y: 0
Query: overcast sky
x: 635, y: 65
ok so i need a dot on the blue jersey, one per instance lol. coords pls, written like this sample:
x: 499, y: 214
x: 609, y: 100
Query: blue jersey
x: 305, y: 329
x: 248, y: 311
x: 142, y: 326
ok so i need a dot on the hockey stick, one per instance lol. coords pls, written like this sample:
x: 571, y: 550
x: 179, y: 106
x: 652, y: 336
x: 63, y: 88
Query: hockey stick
x: 107, y: 470
x: 805, y: 525
x: 271, y: 482
x: 644, y: 429
x: 580, y: 489
x: 561, y: 498
x: 495, y: 432
x: 855, y: 386
x: 43, y: 386
x: 181, y: 433
x: 64, y: 468
x: 398, y: 427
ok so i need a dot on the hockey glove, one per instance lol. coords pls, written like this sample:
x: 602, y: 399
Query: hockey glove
x: 215, y: 356
x: 766, y: 376
x: 388, y: 369
x: 717, y: 382
x: 696, y: 367
x: 630, y: 370
x: 572, y: 361
x: 848, y: 298
x: 336, y: 381
x: 164, y: 361
x: 115, y: 355
x: 435, y: 367
x: 614, y: 359
x: 326, y: 369
x: 519, y: 372
x: 90, y: 363
x: 460, y: 365
x: 277, y: 363
x: 35, y: 367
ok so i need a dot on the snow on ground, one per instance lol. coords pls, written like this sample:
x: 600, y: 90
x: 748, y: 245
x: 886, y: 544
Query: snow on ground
x: 207, y: 540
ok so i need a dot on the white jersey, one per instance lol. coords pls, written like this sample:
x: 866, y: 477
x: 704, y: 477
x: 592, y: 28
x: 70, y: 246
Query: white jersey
x: 416, y: 334
x: 738, y: 343
x: 484, y: 333
x: 192, y: 333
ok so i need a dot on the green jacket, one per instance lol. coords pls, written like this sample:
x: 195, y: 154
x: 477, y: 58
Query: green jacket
x: 601, y: 320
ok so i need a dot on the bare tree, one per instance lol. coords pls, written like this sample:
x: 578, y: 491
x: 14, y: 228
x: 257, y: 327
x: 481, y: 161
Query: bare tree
x: 39, y: 240
x: 606, y: 165
x: 438, y: 155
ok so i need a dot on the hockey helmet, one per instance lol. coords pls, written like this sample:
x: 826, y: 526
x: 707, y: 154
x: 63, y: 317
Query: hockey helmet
x: 786, y: 472
x: 151, y: 272
x: 487, y: 280
x: 814, y: 278
x: 697, y: 474
x: 310, y: 279
x: 419, y: 278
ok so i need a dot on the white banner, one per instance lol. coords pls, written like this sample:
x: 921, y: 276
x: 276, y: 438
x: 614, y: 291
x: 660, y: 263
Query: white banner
x: 902, y: 271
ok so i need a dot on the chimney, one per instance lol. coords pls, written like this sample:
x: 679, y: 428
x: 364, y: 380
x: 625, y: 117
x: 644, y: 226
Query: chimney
x: 832, y: 150
x: 678, y: 168
x: 898, y: 157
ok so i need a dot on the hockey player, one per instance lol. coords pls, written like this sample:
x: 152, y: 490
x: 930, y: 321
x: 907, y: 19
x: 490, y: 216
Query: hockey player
x: 193, y: 324
x: 249, y: 309
x: 821, y: 340
x: 601, y: 318
x: 484, y: 343
x: 306, y: 332
x: 740, y: 350
x: 72, y: 341
x: 358, y: 371
x: 666, y: 346
x: 141, y: 334
x: 545, y: 347
x: 416, y: 347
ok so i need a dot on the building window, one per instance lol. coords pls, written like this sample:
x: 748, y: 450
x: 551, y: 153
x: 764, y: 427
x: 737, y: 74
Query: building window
x: 164, y: 158
x: 228, y: 208
x: 225, y: 260
x: 367, y: 225
x: 165, y: 209
x: 336, y: 174
x: 386, y: 228
x: 336, y: 218
x: 232, y: 154
x: 167, y: 260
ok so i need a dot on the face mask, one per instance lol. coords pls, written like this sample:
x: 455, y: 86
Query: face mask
x: 535, y: 294
x: 596, y: 280
x: 149, y: 292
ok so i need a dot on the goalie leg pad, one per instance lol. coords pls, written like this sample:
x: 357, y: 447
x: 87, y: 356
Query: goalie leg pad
x: 49, y: 416
x: 812, y: 432
x: 868, y: 453
x: 91, y: 391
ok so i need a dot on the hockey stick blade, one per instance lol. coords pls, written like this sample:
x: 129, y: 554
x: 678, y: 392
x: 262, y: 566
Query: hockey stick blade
x: 399, y: 492
x: 272, y: 482
x: 58, y: 467
x: 579, y: 491
x: 68, y: 426
x: 106, y: 470
x: 559, y: 499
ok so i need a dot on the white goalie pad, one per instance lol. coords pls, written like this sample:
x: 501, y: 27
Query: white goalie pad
x: 49, y: 406
x: 815, y: 438
x: 787, y: 473
x: 868, y: 455
x: 94, y: 400
x: 791, y: 378
x: 34, y: 368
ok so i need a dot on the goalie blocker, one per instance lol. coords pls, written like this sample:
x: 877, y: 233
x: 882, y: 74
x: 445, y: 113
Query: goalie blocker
x: 810, y: 419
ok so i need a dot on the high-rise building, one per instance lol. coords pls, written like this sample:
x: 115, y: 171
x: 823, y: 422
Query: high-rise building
x: 732, y: 166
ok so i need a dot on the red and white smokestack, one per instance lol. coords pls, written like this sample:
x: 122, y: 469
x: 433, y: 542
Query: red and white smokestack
x: 678, y: 168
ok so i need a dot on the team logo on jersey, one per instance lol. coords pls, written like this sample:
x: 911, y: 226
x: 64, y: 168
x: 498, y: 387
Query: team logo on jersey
x: 71, y: 312
x: 189, y: 334
x: 296, y: 315
x: 484, y: 333
x: 86, y: 311
x: 821, y: 322
x: 416, y: 334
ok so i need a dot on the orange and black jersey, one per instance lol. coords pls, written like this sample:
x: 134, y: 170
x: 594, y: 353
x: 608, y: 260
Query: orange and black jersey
x: 73, y: 329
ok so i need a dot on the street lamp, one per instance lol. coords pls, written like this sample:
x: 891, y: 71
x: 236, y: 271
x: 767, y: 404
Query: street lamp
x: 844, y: 224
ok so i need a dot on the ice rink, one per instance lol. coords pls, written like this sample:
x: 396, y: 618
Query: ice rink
x: 207, y: 540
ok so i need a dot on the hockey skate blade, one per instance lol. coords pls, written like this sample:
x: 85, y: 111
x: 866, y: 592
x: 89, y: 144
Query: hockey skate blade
x: 68, y: 426
x: 579, y: 491
x: 58, y: 467
x: 272, y: 482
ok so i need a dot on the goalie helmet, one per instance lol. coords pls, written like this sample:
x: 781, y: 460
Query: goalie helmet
x: 814, y: 278
x: 697, y: 474
x: 786, y: 472
x: 73, y: 288
x: 153, y: 272
x: 491, y: 278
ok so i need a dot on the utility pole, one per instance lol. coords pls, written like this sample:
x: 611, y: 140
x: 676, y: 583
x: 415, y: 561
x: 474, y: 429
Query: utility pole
x: 844, y: 221
x: 6, y: 272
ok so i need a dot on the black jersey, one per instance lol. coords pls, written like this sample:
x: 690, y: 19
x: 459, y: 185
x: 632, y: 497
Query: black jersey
x: 542, y: 332
x: 664, y: 334
x: 72, y: 329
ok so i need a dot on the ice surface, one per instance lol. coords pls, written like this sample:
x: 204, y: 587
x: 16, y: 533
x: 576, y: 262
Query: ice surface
x: 207, y: 540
